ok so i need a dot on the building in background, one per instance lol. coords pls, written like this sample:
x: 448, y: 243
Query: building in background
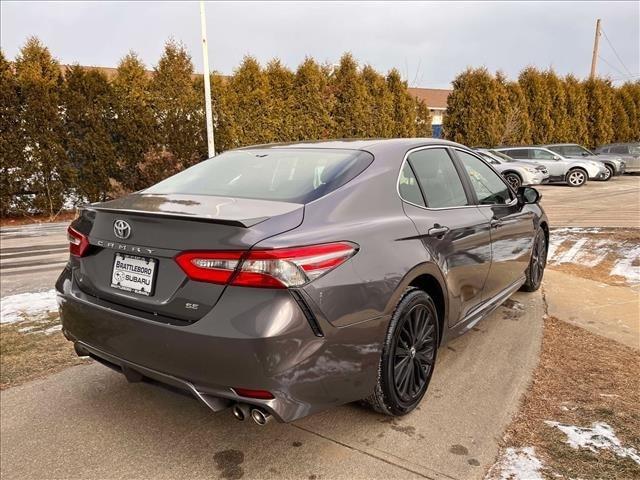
x: 436, y: 100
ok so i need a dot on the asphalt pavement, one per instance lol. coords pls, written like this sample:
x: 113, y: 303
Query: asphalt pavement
x: 32, y: 257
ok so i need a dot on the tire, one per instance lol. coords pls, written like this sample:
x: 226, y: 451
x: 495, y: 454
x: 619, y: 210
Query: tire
x: 610, y: 173
x: 400, y: 385
x: 537, y: 263
x: 576, y: 177
x: 513, y: 179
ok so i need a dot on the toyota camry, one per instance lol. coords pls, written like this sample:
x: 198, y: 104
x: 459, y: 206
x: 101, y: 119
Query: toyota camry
x: 282, y: 280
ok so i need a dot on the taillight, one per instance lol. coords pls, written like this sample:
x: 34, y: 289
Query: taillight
x: 250, y: 393
x: 277, y: 268
x: 212, y: 267
x: 78, y: 242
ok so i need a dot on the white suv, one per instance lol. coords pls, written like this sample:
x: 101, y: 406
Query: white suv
x: 572, y: 171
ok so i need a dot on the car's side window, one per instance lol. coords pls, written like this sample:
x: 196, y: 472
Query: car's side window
x: 408, y: 186
x: 439, y: 178
x: 619, y: 149
x: 488, y: 185
x: 520, y: 154
x: 540, y: 154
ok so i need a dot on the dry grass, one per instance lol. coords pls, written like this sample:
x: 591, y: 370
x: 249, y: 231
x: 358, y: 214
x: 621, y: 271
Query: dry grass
x: 33, y: 354
x: 582, y: 378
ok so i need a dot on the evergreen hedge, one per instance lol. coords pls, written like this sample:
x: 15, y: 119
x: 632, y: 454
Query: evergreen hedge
x: 540, y: 107
x: 80, y: 136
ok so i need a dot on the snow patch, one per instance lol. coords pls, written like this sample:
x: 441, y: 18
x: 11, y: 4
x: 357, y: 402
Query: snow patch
x: 27, y: 306
x: 625, y: 268
x: 599, y: 437
x: 517, y: 464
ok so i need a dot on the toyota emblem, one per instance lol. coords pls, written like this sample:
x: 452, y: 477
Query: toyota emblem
x: 121, y: 229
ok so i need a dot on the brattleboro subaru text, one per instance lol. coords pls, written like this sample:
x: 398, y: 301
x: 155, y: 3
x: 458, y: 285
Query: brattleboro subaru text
x: 282, y: 280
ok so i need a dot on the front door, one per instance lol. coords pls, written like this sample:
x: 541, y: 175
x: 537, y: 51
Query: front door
x: 453, y: 230
x: 512, y: 227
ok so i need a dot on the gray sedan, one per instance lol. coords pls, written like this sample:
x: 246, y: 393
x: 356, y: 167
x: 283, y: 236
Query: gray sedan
x: 629, y: 152
x: 282, y: 280
x: 515, y: 173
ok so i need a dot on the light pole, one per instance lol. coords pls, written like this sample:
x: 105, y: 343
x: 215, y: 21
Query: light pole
x: 207, y: 83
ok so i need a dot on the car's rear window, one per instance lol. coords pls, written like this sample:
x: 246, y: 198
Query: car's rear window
x: 285, y: 174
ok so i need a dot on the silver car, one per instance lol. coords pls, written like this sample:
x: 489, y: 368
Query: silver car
x: 515, y: 173
x: 614, y: 163
x: 629, y: 152
x: 572, y: 171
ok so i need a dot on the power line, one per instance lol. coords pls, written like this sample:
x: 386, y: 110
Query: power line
x: 616, y: 69
x: 615, y: 52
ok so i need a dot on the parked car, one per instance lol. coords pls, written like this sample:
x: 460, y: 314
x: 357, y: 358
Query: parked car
x: 614, y: 163
x: 515, y: 173
x: 629, y: 152
x: 283, y: 280
x: 572, y: 171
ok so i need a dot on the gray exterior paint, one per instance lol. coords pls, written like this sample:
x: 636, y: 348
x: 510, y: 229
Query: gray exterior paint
x: 264, y: 338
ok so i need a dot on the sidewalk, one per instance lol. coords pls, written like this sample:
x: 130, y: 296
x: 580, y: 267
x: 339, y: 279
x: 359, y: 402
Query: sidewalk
x: 610, y: 311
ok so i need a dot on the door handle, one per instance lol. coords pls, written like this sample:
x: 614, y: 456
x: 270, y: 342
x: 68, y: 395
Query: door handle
x: 437, y: 230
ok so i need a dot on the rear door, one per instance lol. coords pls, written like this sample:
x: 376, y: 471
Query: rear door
x: 555, y: 165
x: 451, y: 227
x: 512, y: 227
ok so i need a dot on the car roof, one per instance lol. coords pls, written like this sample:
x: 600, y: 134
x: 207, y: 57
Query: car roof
x: 369, y: 144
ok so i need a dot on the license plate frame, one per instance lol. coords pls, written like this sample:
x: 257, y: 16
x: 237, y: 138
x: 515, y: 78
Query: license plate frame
x: 129, y: 285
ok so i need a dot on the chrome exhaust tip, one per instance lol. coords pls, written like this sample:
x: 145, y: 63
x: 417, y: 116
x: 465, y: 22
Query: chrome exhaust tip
x: 260, y: 416
x: 240, y: 411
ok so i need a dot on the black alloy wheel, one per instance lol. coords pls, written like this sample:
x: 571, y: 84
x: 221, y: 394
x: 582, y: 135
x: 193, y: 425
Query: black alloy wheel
x: 537, y: 263
x: 408, y: 356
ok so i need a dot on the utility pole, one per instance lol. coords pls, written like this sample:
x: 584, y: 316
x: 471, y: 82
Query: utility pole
x: 596, y: 46
x: 207, y: 83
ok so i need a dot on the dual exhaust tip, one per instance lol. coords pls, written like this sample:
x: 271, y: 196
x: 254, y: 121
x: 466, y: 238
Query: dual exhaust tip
x: 242, y: 411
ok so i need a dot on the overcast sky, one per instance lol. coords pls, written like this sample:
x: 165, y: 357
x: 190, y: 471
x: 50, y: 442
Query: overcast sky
x: 429, y: 42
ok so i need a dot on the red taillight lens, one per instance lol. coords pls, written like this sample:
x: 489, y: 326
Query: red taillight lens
x: 277, y: 268
x: 78, y: 242
x: 249, y: 393
x: 212, y: 267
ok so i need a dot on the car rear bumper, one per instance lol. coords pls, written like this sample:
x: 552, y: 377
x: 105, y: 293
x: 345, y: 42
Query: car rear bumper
x: 253, y: 338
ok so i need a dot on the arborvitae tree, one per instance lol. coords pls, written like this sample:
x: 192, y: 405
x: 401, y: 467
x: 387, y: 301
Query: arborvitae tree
x: 404, y: 111
x: 472, y: 109
x: 423, y: 119
x: 312, y: 103
x: 600, y: 112
x: 222, y: 119
x: 178, y: 109
x: 46, y: 170
x: 352, y: 100
x: 630, y: 97
x: 88, y: 112
x: 539, y: 104
x: 560, y: 129
x: 134, y: 125
x: 513, y: 120
x: 380, y: 111
x: 576, y: 110
x: 248, y: 96
x: 622, y: 128
x: 11, y: 141
x: 280, y: 82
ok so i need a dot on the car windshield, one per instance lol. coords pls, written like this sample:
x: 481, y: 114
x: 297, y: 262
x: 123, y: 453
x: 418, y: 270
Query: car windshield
x: 502, y: 156
x: 285, y: 174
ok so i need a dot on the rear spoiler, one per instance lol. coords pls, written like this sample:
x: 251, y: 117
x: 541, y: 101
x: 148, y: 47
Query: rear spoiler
x: 244, y: 223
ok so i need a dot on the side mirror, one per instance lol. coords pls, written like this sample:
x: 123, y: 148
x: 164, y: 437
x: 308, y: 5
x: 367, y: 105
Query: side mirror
x: 528, y: 195
x: 585, y: 154
x: 556, y: 157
